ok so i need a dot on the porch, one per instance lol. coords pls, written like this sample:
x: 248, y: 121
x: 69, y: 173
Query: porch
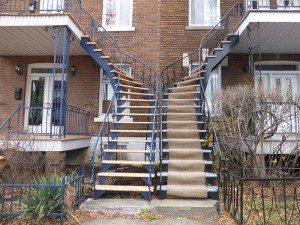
x: 42, y: 68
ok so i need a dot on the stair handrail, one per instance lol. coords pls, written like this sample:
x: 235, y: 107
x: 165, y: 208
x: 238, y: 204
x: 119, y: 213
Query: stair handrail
x: 105, y: 125
x: 210, y: 129
x: 155, y: 124
x: 94, y: 23
x: 224, y: 18
x: 198, y: 52
x: 7, y: 121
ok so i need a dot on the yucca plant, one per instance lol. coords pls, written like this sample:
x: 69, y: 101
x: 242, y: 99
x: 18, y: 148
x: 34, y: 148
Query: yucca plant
x: 43, y: 200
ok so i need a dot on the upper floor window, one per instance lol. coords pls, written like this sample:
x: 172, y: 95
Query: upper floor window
x: 204, y: 12
x: 117, y: 15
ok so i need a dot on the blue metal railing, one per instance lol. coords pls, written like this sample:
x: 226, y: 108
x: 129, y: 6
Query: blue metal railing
x: 105, y: 127
x: 46, y: 120
x: 14, y: 196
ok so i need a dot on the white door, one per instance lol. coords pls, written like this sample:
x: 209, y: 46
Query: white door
x: 283, y: 82
x: 42, y: 112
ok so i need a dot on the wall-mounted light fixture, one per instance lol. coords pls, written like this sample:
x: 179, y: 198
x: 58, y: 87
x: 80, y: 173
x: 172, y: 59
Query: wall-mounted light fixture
x: 32, y: 6
x: 18, y: 69
x: 73, y: 70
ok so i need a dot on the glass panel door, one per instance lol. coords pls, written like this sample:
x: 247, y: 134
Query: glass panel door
x: 36, y: 102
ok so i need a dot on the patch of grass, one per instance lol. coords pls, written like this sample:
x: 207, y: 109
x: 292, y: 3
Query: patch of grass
x: 145, y: 214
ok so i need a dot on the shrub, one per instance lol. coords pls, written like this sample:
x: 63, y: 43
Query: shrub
x: 40, y: 202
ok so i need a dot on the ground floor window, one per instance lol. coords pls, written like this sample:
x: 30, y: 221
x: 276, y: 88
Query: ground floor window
x: 213, y: 85
x: 106, y: 90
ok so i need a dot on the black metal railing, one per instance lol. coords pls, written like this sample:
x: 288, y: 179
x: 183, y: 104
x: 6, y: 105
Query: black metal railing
x: 139, y: 70
x: 49, y: 194
x: 34, y: 7
x: 46, y: 120
x: 268, y: 4
x: 273, y: 199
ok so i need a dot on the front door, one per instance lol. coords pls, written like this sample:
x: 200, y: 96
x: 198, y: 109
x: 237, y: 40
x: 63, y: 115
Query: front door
x: 43, y: 104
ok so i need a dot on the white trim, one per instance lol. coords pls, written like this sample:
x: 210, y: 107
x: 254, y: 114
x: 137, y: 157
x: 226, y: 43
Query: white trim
x: 41, y: 20
x: 277, y: 16
x: 117, y: 27
x: 202, y: 26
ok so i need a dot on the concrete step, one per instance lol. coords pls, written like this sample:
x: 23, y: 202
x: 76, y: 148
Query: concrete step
x: 173, y: 208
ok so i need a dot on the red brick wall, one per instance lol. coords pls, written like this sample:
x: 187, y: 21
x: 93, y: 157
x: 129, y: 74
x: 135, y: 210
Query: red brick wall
x: 83, y: 88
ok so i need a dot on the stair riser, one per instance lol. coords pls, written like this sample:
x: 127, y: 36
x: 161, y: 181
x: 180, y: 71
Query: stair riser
x: 211, y: 195
x: 208, y: 181
x: 207, y: 168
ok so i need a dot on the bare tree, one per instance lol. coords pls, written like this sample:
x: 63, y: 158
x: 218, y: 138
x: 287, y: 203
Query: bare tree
x: 23, y: 160
x: 258, y: 128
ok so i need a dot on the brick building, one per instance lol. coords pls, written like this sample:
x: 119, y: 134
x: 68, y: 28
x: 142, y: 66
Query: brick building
x: 62, y: 61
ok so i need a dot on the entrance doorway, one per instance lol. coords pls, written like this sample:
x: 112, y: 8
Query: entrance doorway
x: 43, y: 100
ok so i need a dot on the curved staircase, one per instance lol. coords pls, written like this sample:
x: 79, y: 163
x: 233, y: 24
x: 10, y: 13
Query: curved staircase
x: 133, y: 108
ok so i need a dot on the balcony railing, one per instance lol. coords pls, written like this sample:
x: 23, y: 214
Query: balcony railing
x: 33, y: 7
x: 46, y: 120
x: 272, y: 4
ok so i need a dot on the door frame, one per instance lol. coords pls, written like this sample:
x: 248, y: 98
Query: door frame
x: 48, y: 94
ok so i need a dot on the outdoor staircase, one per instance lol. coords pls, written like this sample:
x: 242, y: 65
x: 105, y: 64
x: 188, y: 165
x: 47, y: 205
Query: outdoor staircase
x: 133, y: 123
x: 187, y: 169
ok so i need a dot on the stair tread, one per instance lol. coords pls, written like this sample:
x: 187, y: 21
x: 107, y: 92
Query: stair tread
x: 122, y: 74
x: 182, y: 139
x: 131, y: 131
x: 208, y: 188
x: 134, y: 114
x: 126, y: 188
x: 127, y: 82
x: 134, y: 88
x: 203, y: 150
x: 136, y: 123
x: 130, y: 140
x: 166, y: 161
x: 126, y: 162
x: 136, y: 100
x: 135, y: 93
x: 127, y: 151
x: 185, y: 130
x: 122, y: 174
x: 137, y: 107
x: 207, y: 174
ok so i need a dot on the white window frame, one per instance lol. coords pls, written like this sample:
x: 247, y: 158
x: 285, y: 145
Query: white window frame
x: 203, y: 25
x: 117, y: 27
x: 101, y: 115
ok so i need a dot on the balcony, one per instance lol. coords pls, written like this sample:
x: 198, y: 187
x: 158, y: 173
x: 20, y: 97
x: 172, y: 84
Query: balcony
x: 45, y: 128
x: 26, y: 26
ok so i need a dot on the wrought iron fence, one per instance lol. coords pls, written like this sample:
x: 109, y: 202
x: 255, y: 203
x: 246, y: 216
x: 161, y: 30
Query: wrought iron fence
x: 270, y: 199
x: 46, y: 120
x: 51, y: 195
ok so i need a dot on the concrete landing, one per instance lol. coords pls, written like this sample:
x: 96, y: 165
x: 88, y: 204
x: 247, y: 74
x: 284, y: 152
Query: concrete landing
x: 166, y: 207
x: 174, y: 221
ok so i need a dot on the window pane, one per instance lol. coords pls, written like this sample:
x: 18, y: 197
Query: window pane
x: 197, y: 12
x: 111, y: 12
x: 211, y: 12
x: 125, y: 12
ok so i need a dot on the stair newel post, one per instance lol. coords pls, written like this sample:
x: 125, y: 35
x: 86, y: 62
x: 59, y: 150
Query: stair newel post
x: 160, y: 135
